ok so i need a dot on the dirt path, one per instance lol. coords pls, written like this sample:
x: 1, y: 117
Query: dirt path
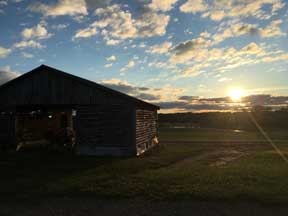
x: 89, y: 207
x: 221, y: 153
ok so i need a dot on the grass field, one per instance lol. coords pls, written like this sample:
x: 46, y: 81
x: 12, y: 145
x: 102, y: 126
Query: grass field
x: 190, y: 164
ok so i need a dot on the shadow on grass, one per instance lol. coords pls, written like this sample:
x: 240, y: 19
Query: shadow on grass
x: 24, y: 173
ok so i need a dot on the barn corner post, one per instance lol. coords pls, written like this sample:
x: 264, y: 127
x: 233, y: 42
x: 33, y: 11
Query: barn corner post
x: 157, y: 124
x: 134, y: 132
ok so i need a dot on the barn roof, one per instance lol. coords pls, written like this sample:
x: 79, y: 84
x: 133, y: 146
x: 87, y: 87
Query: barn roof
x: 80, y: 80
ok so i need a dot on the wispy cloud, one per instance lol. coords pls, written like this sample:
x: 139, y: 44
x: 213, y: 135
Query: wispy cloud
x: 161, y: 48
x: 28, y: 43
x: 218, y: 10
x: 6, y: 74
x: 130, y: 64
x: 61, y: 8
x: 4, y: 52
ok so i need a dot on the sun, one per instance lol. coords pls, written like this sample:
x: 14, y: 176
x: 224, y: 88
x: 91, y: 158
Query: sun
x: 236, y: 94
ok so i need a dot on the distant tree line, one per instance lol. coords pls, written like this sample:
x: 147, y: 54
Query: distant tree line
x: 275, y: 120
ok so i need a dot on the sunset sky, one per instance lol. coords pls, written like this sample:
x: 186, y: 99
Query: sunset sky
x: 185, y: 55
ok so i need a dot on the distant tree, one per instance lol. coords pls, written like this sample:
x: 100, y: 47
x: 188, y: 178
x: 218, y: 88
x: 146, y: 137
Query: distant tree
x: 259, y: 108
x: 284, y: 109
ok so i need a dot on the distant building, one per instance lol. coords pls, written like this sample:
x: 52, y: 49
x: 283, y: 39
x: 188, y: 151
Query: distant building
x: 51, y: 107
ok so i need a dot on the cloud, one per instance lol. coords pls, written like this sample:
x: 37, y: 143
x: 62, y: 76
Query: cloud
x: 220, y: 9
x: 111, y: 58
x: 160, y: 5
x: 31, y: 37
x: 7, y: 74
x: 118, y: 21
x: 97, y: 3
x: 189, y: 49
x: 36, y: 32
x: 130, y: 64
x: 215, y: 100
x: 193, y: 71
x: 108, y: 65
x: 235, y: 30
x: 3, y: 3
x: 4, y: 52
x: 170, y: 99
x: 59, y: 26
x: 115, y: 24
x: 26, y: 55
x: 28, y: 43
x: 150, y: 94
x: 148, y: 97
x: 186, y: 106
x: 205, y: 60
x: 265, y: 100
x: 162, y: 65
x: 111, y: 42
x: 197, y: 104
x: 193, y: 6
x: 193, y: 44
x: 224, y: 79
x: 188, y: 98
x: 123, y: 86
x: 281, y: 57
x: 217, y: 15
x: 272, y: 30
x: 85, y: 33
x: 152, y: 24
x: 251, y: 49
x: 161, y: 48
x: 61, y: 8
x: 113, y: 21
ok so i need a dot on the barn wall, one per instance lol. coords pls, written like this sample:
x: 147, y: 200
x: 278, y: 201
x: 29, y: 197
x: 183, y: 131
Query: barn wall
x: 146, y: 130
x: 107, y: 122
x: 105, y: 130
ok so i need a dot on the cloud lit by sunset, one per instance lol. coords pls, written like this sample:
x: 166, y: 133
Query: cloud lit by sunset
x: 180, y: 54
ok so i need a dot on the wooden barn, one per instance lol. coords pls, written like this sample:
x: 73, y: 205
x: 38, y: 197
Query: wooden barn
x: 54, y: 108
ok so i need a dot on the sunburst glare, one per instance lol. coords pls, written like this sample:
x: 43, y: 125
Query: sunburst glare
x: 236, y: 94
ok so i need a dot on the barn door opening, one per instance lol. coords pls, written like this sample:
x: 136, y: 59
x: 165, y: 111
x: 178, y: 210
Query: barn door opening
x: 50, y: 129
x: 7, y: 131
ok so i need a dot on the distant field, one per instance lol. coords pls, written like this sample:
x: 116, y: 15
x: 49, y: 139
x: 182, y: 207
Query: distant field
x: 181, y: 169
x: 198, y: 134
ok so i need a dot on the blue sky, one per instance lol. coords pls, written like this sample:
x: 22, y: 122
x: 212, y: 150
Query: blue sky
x: 157, y: 50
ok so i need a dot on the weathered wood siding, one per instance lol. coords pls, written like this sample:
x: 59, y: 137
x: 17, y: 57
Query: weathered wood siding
x: 103, y: 130
x: 146, y: 130
x: 48, y: 86
x: 52, y: 88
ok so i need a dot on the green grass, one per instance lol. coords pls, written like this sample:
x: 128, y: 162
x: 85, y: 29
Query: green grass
x: 178, y: 170
x: 197, y: 134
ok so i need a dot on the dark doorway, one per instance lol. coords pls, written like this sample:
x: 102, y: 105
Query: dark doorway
x: 46, y: 129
